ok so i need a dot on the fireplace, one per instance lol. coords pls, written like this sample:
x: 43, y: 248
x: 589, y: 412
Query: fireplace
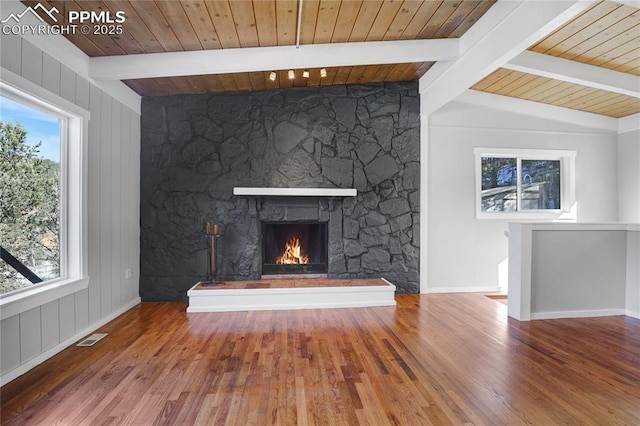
x: 294, y: 248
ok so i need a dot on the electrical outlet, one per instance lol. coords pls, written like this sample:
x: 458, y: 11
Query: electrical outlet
x: 127, y: 273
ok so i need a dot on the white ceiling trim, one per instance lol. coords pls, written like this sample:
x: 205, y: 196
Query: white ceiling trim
x: 575, y: 72
x: 506, y: 30
x: 223, y: 61
x: 540, y: 110
x: 629, y: 123
x: 632, y: 3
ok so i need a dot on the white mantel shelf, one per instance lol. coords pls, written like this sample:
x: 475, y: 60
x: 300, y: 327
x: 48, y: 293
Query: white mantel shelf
x: 295, y: 192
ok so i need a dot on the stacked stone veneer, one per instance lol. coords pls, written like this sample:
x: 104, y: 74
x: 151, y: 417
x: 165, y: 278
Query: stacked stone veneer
x: 196, y: 148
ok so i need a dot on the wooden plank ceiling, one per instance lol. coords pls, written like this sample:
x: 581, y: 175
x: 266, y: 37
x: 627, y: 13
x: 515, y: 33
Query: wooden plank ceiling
x: 253, y: 81
x: 168, y: 26
x: 520, y: 85
x: 607, y: 35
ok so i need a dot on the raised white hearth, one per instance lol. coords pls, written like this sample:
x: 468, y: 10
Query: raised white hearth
x: 277, y: 294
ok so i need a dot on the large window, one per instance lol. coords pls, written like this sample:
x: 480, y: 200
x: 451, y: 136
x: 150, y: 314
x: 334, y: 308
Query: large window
x: 523, y: 183
x: 42, y: 196
x: 30, y: 146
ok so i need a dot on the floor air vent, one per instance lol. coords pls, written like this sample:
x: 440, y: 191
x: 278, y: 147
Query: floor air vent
x: 92, y: 340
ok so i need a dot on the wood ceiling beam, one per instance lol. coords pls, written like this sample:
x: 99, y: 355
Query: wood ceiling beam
x: 222, y: 61
x: 575, y: 72
x: 507, y: 29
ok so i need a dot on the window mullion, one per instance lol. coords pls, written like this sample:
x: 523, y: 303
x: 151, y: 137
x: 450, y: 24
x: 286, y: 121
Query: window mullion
x: 64, y: 194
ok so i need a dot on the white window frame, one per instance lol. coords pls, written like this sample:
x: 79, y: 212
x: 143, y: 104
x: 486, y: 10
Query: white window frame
x: 567, y: 185
x: 73, y: 196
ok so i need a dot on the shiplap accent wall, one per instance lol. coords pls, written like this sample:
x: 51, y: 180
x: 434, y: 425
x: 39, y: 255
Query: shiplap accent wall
x: 113, y: 216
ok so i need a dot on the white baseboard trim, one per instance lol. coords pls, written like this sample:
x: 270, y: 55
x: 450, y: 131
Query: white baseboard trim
x: 23, y: 368
x: 578, y: 314
x: 632, y: 314
x: 463, y: 290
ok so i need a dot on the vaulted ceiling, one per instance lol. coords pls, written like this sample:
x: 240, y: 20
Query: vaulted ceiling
x: 586, y: 58
x: 607, y: 35
x: 174, y: 26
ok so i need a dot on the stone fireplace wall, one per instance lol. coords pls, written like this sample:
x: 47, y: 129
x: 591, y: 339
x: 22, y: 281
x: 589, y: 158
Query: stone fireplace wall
x: 196, y: 148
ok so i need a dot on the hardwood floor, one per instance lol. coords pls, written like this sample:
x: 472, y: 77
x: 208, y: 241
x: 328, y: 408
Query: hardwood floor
x: 432, y: 359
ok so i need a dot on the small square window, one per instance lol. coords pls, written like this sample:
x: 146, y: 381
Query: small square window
x: 523, y: 183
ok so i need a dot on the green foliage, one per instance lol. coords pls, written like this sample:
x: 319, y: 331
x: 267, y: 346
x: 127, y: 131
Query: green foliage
x: 29, y: 208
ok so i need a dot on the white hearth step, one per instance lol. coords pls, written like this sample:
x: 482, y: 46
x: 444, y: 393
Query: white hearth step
x: 280, y: 294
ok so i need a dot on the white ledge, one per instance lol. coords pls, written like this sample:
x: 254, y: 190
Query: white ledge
x: 296, y: 192
x: 582, y: 226
x: 20, y: 301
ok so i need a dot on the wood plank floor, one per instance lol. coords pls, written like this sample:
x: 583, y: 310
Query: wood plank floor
x: 432, y: 359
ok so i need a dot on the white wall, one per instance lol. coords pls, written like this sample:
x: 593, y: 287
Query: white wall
x: 572, y: 270
x: 633, y: 274
x: 578, y: 271
x: 113, y: 216
x: 465, y: 253
x: 629, y: 177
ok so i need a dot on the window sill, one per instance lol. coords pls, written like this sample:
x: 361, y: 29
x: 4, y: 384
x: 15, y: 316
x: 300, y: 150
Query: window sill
x: 533, y: 215
x: 16, y: 303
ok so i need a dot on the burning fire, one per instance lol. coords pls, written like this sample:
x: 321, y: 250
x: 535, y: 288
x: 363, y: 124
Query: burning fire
x: 292, y: 253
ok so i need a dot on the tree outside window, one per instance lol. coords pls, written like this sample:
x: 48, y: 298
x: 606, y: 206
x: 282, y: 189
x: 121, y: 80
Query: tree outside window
x: 29, y: 194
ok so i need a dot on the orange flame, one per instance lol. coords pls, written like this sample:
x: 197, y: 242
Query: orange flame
x: 292, y: 253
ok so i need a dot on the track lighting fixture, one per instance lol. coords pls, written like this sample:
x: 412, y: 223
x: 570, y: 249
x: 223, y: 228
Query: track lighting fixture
x: 291, y: 74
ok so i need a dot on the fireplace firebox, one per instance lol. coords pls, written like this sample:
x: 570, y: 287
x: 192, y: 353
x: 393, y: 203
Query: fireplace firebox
x: 292, y: 248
